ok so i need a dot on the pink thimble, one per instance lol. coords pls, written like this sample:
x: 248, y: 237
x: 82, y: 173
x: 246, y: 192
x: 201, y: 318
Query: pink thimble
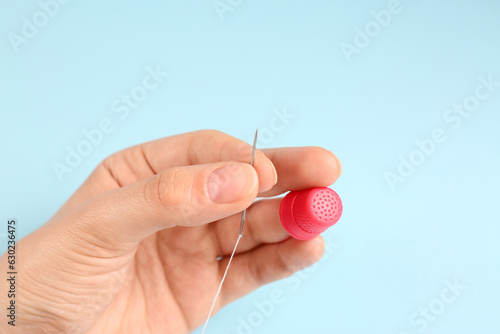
x: 306, y: 214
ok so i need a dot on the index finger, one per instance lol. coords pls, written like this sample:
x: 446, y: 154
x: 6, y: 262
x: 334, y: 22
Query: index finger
x: 203, y: 147
x: 142, y: 161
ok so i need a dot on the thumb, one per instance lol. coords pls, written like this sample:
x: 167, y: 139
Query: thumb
x: 180, y: 196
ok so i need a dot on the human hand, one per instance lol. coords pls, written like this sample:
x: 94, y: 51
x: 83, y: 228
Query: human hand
x: 135, y: 248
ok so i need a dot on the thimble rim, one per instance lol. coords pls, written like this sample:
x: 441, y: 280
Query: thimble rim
x: 288, y: 220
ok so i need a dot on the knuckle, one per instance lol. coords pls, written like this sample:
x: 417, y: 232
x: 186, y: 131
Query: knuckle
x: 211, y: 132
x: 257, y: 273
x: 169, y: 188
x: 107, y: 163
x: 111, y: 160
x: 288, y: 263
x: 175, y: 191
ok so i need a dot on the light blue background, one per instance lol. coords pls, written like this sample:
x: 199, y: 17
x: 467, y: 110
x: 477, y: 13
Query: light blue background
x: 393, y: 249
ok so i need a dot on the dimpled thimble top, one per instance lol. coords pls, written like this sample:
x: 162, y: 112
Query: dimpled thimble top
x: 305, y: 214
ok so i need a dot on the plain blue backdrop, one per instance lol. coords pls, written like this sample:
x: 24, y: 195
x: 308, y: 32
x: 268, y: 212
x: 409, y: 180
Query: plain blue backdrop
x: 369, y: 81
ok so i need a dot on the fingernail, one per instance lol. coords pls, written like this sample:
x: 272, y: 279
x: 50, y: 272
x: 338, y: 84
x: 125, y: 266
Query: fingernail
x: 340, y: 165
x: 231, y: 183
x: 275, y: 173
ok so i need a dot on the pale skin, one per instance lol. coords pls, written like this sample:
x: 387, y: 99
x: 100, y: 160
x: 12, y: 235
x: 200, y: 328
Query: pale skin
x: 135, y: 248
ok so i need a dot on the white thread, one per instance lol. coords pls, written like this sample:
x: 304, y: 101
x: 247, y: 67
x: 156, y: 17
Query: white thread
x: 221, y: 282
x: 240, y: 235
